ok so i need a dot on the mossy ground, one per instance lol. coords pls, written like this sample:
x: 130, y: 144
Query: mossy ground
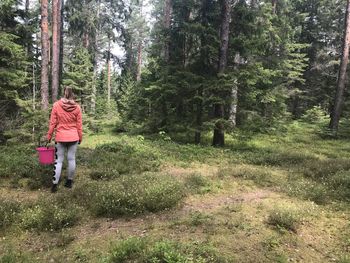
x: 262, y: 198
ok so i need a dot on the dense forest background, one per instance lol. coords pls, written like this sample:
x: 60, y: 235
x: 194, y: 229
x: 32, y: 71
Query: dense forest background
x: 172, y: 66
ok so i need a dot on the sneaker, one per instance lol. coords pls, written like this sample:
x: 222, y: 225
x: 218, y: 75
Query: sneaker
x: 54, y: 188
x: 68, y: 183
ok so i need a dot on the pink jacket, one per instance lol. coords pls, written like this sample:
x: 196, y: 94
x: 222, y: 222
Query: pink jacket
x: 66, y: 118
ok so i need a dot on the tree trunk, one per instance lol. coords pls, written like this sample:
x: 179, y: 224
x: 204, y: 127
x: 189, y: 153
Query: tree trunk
x: 56, y: 36
x: 234, y: 92
x: 339, y: 97
x: 274, y: 6
x: 61, y: 48
x: 97, y: 34
x: 167, y: 21
x: 139, y: 61
x: 109, y: 73
x: 199, y: 117
x: 253, y: 4
x: 44, y: 55
x: 219, y: 134
x: 86, y: 40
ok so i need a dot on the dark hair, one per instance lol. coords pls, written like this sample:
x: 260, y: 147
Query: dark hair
x: 68, y: 93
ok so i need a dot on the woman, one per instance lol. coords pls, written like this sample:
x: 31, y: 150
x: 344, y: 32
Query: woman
x: 66, y: 119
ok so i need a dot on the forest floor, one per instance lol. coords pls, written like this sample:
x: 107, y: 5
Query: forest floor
x: 262, y: 198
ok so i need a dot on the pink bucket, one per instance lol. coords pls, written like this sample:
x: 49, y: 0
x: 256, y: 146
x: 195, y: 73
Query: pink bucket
x: 46, y: 155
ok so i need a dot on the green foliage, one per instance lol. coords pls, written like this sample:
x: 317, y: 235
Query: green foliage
x: 143, y: 250
x: 131, y: 195
x: 79, y: 75
x: 12, y: 65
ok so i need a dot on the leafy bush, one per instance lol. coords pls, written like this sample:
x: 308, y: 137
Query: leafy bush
x: 50, y: 215
x: 8, y: 211
x: 131, y: 195
x: 111, y: 160
x: 143, y: 250
x: 284, y: 217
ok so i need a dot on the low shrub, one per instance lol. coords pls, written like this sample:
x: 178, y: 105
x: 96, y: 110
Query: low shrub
x: 260, y: 175
x: 282, y: 158
x: 143, y: 250
x: 131, y: 195
x: 307, y: 189
x: 129, y: 250
x: 12, y: 256
x: 198, y: 219
x: 17, y: 162
x: 287, y: 218
x: 321, y: 170
x: 314, y: 115
x: 8, y: 211
x: 197, y: 183
x: 50, y: 215
x: 340, y: 183
x: 111, y: 160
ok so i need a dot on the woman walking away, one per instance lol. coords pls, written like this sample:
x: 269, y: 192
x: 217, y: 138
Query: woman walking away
x: 66, y: 119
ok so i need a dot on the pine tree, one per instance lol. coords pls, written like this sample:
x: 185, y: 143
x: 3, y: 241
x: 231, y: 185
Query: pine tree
x: 79, y: 76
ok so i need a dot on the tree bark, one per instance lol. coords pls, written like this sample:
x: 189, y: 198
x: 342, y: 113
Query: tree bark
x: 56, y: 37
x: 167, y: 21
x: 339, y: 96
x: 97, y: 34
x: 219, y: 134
x: 44, y: 55
x: 139, y: 61
x: 199, y: 117
x: 274, y: 6
x: 109, y: 73
x: 234, y: 92
x: 61, y: 47
x: 253, y: 3
x: 86, y: 40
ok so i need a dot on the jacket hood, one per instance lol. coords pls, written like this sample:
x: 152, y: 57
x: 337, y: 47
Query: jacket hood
x: 68, y: 105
